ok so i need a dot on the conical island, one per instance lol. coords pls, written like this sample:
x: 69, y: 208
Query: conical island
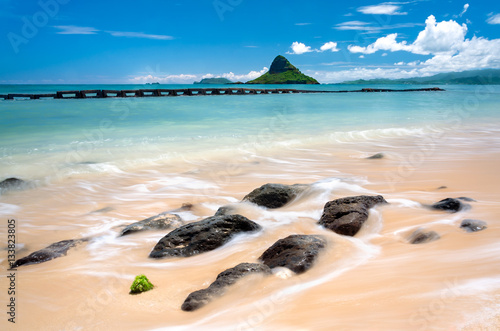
x: 283, y: 72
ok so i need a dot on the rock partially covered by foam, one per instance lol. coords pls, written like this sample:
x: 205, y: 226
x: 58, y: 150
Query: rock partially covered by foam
x: 203, y: 236
x: 450, y: 205
x: 295, y: 252
x: 345, y: 216
x: 159, y: 222
x: 274, y: 195
x: 225, y: 279
x: 48, y: 253
x: 421, y: 237
x: 473, y: 225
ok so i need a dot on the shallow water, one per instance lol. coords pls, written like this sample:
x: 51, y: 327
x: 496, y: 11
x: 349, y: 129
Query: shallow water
x: 97, y: 165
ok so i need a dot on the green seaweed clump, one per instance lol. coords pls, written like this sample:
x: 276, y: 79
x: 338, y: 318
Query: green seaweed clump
x: 141, y: 284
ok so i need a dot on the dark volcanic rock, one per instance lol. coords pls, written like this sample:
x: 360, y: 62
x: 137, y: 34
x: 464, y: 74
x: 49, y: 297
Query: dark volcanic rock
x: 422, y: 237
x: 295, y: 252
x: 346, y: 215
x: 159, y: 222
x: 473, y: 225
x: 450, y: 204
x: 225, y: 210
x: 53, y: 251
x: 12, y: 183
x: 376, y: 156
x: 274, y: 195
x: 226, y: 278
x: 203, y: 236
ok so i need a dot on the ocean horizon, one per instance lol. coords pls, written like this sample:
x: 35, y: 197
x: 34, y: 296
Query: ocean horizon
x: 93, y: 166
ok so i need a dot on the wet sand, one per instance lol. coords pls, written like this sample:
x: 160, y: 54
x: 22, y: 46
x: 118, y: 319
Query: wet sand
x: 374, y: 281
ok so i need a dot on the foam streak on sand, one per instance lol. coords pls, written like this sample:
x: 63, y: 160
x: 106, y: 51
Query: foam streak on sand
x: 190, y: 156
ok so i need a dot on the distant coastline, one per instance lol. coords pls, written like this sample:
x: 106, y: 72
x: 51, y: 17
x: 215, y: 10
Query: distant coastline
x: 472, y: 77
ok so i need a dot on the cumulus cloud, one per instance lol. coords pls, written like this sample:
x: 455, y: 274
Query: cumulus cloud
x: 495, y: 19
x: 446, y: 36
x: 387, y: 43
x: 444, y: 42
x: 168, y: 79
x: 332, y: 46
x: 190, y: 78
x: 251, y: 75
x: 381, y: 9
x: 299, y: 48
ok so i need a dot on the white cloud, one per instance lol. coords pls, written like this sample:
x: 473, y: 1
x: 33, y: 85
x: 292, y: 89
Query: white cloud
x: 299, y: 48
x: 302, y: 24
x: 466, y: 6
x: 362, y: 73
x: 190, y: 78
x: 381, y: 9
x: 251, y: 75
x: 495, y: 19
x: 139, y: 35
x: 370, y: 28
x: 168, y: 79
x: 71, y: 29
x: 446, y: 36
x: 387, y: 43
x: 444, y: 42
x: 332, y: 46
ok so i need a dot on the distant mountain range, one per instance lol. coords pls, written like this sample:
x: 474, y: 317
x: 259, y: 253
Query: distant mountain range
x: 218, y: 80
x: 472, y: 77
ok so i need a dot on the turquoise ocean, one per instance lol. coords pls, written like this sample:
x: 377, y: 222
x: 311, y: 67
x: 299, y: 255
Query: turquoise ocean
x: 40, y: 139
x: 93, y: 166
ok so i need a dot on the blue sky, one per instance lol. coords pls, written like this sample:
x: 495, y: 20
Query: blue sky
x: 180, y: 41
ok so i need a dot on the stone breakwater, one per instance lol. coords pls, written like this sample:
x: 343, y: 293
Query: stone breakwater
x: 92, y: 94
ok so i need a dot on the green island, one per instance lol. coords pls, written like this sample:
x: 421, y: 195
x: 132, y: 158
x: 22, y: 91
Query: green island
x: 283, y: 72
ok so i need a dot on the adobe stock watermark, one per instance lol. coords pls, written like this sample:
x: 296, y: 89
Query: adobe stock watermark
x: 429, y: 314
x: 428, y: 144
x: 223, y: 6
x: 31, y: 25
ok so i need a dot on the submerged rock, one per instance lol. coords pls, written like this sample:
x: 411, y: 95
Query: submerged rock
x: 466, y: 199
x: 451, y: 205
x: 159, y: 222
x: 225, y: 210
x: 295, y: 252
x: 346, y: 215
x: 226, y: 278
x: 274, y: 195
x: 422, y: 237
x: 12, y: 184
x: 470, y: 225
x: 376, y: 156
x: 48, y: 253
x: 203, y: 236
